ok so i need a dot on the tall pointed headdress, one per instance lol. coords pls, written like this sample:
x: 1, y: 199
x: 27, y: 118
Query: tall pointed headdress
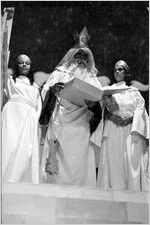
x: 83, y: 38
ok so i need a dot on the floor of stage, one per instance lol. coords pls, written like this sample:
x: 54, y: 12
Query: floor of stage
x: 57, y: 204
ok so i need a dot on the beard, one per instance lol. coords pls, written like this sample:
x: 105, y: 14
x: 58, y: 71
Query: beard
x: 81, y: 63
x: 80, y: 72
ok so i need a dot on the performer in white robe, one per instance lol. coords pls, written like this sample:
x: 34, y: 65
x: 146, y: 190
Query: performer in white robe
x: 20, y: 115
x: 67, y: 144
x: 123, y: 162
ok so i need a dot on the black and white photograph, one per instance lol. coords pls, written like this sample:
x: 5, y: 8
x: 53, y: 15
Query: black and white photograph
x: 74, y: 112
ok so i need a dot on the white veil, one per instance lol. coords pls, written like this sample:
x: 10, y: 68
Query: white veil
x: 68, y: 59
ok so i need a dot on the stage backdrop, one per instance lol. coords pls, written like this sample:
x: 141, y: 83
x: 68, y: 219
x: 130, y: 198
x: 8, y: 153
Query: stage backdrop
x: 118, y: 30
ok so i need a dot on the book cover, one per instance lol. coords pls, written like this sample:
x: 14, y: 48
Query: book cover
x: 77, y: 91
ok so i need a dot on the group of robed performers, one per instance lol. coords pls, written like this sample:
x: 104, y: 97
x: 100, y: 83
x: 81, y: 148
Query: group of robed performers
x: 110, y: 133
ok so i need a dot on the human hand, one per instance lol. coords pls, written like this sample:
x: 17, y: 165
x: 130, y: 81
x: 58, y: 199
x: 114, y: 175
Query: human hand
x: 57, y: 88
x: 135, y: 137
x: 90, y: 104
x: 51, y: 167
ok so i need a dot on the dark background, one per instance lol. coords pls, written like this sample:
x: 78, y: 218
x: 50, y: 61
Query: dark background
x: 118, y: 30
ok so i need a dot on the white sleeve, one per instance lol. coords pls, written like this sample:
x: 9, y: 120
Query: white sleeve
x: 39, y: 107
x: 140, y: 119
x: 10, y: 87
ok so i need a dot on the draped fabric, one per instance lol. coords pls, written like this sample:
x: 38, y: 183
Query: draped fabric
x: 68, y: 59
x: 69, y: 127
x: 123, y: 162
x: 47, y: 108
x: 20, y: 145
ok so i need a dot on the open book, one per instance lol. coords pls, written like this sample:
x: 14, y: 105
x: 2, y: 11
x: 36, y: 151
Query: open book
x: 77, y: 91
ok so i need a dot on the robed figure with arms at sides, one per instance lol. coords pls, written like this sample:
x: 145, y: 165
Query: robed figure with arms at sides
x: 122, y: 136
x: 68, y: 154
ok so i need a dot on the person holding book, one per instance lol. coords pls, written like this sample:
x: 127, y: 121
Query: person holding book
x: 20, y: 115
x: 68, y: 154
x: 123, y: 161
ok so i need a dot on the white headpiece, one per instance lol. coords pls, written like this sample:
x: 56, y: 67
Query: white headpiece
x: 68, y: 59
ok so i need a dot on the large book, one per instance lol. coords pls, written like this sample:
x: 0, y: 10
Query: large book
x: 77, y: 91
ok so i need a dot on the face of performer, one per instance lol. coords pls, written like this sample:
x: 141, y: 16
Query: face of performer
x: 119, y: 73
x: 81, y: 59
x: 24, y: 64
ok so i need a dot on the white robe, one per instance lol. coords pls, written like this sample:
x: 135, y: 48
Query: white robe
x: 69, y: 125
x: 123, y: 162
x: 20, y: 147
